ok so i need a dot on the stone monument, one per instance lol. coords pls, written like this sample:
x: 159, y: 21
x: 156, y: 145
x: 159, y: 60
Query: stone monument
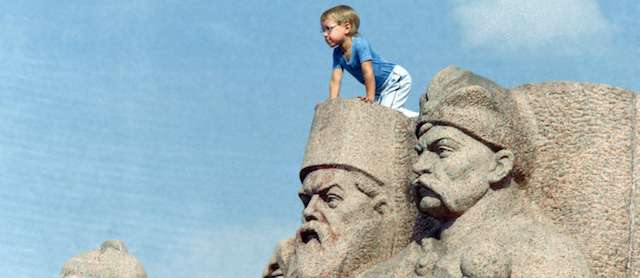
x: 586, y: 168
x: 111, y: 260
x: 540, y: 180
x: 472, y: 168
x: 355, y: 189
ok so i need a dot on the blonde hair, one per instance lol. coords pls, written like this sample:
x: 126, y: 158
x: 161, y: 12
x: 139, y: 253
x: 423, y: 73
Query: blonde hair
x: 343, y: 14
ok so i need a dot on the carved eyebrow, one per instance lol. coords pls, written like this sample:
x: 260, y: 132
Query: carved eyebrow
x: 444, y: 141
x: 321, y: 188
x: 447, y: 140
x: 325, y: 189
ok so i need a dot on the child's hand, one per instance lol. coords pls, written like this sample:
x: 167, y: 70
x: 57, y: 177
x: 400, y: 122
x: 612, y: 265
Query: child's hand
x: 366, y: 99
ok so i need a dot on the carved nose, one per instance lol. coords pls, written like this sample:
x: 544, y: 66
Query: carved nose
x: 310, y: 212
x: 422, y: 165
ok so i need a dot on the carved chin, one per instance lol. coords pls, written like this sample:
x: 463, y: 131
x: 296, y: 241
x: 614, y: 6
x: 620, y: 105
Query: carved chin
x: 428, y: 203
x: 338, y: 256
x: 433, y: 206
x: 311, y: 260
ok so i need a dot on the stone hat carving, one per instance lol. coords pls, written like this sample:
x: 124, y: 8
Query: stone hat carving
x: 374, y: 140
x: 356, y: 135
x: 478, y: 107
x: 110, y: 261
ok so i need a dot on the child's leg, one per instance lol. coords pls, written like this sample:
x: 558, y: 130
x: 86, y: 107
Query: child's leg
x: 396, y: 91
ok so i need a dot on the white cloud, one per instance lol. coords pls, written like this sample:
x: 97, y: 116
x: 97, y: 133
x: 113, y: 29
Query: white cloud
x: 566, y: 26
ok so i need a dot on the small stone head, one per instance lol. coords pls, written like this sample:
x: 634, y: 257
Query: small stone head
x: 278, y: 264
x: 468, y: 142
x: 110, y: 261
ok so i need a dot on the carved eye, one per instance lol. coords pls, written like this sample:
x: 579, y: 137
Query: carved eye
x: 333, y: 200
x: 443, y: 151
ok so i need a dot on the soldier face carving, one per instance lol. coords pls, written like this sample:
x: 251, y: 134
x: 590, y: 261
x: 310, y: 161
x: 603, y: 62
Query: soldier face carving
x: 453, y: 170
x: 341, y: 225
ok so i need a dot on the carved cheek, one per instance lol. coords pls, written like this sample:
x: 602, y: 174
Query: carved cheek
x: 473, y: 183
x: 465, y: 165
x: 456, y: 168
x: 351, y: 211
x: 339, y: 222
x: 355, y: 210
x: 459, y: 182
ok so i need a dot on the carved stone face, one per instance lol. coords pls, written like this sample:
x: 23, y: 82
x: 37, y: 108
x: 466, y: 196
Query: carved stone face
x: 341, y: 227
x: 453, y: 170
x: 277, y: 265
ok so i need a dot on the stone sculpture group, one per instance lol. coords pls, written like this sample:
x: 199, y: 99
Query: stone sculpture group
x: 541, y: 180
x: 536, y: 181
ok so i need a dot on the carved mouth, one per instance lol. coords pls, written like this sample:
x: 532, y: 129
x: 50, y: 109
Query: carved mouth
x: 307, y: 235
x: 428, y: 200
x: 423, y: 189
x: 276, y: 273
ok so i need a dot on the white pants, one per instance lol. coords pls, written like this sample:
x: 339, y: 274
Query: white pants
x: 395, y: 91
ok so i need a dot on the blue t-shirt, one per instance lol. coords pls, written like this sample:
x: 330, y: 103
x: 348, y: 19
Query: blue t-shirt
x: 361, y: 51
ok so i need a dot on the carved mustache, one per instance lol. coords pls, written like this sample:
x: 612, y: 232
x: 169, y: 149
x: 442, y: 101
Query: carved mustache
x: 425, y: 187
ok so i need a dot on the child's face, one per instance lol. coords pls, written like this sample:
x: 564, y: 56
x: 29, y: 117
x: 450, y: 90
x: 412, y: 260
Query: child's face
x: 334, y: 33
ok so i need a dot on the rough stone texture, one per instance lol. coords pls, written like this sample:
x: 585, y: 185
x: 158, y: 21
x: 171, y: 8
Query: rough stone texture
x: 635, y: 205
x: 111, y: 260
x: 373, y: 139
x: 355, y: 145
x: 472, y: 167
x: 350, y: 132
x: 470, y: 102
x: 582, y: 176
x: 571, y: 205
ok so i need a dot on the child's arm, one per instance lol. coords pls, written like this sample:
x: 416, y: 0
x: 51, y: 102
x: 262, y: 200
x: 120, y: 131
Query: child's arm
x: 334, y: 84
x: 369, y: 81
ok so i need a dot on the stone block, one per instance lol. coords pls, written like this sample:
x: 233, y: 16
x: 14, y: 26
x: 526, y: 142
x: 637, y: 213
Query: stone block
x: 581, y: 174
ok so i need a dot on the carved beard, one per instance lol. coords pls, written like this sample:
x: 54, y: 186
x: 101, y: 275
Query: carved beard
x: 336, y: 255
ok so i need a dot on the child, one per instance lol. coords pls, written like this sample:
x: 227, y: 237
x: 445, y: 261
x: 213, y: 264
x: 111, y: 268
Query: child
x: 386, y: 83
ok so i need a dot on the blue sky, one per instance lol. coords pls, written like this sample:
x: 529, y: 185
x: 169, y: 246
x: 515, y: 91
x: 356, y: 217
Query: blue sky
x: 179, y: 126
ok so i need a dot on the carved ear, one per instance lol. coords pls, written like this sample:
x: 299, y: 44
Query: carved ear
x: 381, y: 205
x: 504, y: 164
